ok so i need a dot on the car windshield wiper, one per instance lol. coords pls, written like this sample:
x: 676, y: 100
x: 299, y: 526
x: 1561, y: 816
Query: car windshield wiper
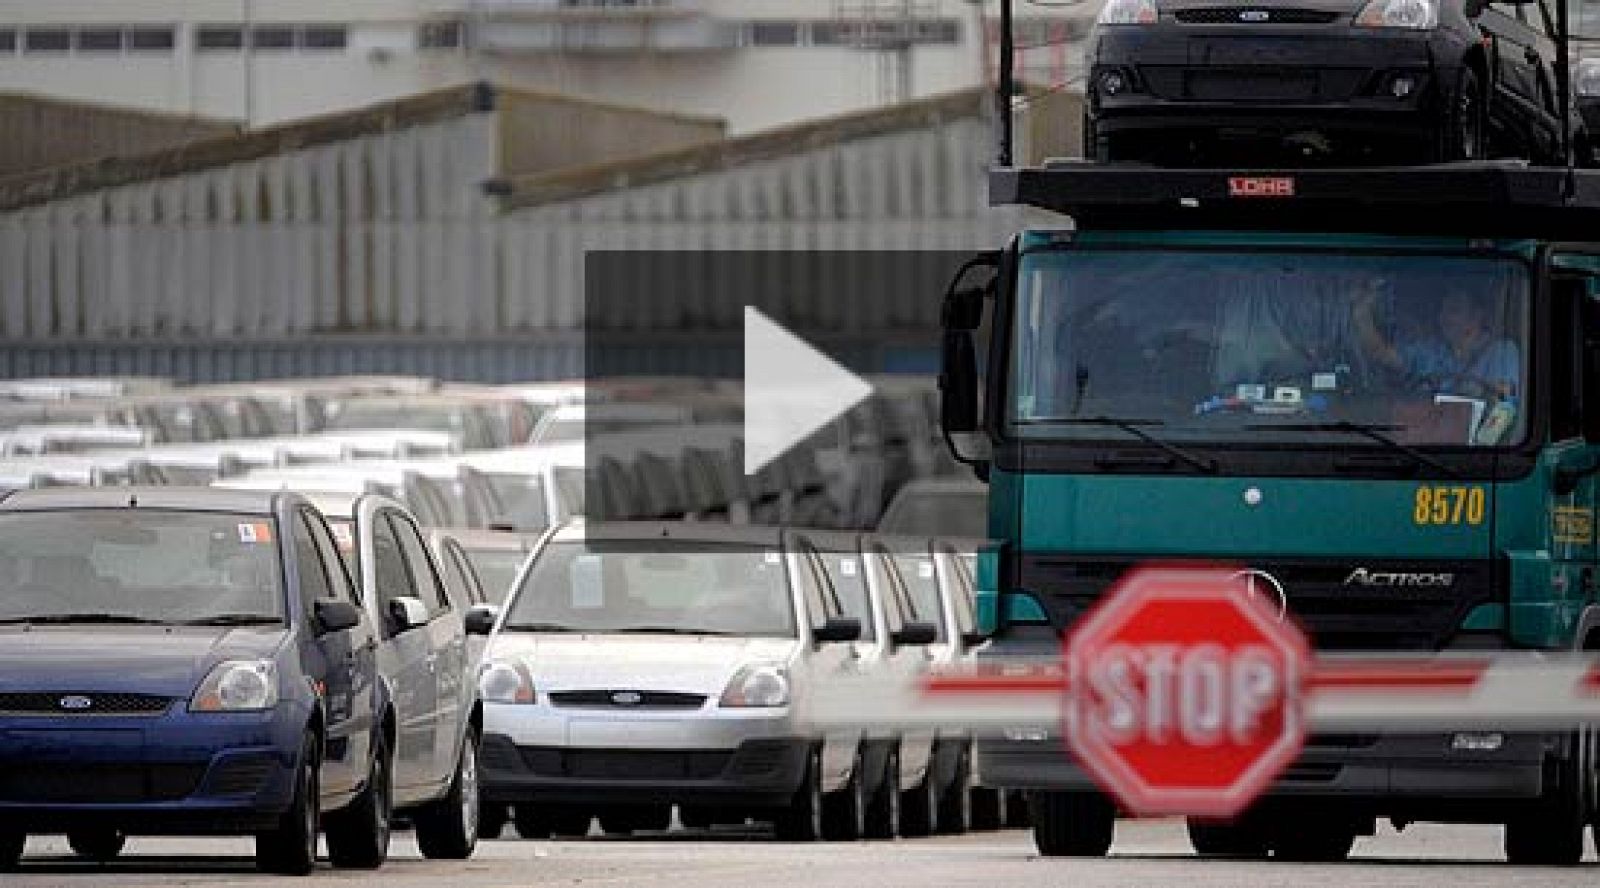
x: 233, y: 620
x: 1135, y: 427
x: 540, y: 627
x: 1370, y: 431
x: 128, y: 619
x: 667, y: 630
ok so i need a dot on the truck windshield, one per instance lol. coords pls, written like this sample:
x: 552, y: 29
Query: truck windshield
x: 1271, y: 347
x: 139, y: 565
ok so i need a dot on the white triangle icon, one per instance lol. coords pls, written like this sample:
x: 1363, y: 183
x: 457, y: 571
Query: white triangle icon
x: 790, y: 390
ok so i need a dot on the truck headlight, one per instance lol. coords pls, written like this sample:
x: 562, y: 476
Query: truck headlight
x: 757, y: 686
x: 1414, y: 14
x: 503, y: 682
x: 1128, y: 12
x: 237, y: 686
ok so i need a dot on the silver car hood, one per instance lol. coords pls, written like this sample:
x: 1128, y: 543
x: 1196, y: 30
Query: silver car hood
x: 689, y: 664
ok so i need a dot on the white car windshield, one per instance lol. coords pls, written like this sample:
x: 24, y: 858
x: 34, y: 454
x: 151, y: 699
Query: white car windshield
x: 651, y: 587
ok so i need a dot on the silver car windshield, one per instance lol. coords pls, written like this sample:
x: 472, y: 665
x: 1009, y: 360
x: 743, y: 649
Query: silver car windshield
x: 1279, y: 347
x: 649, y: 587
x: 496, y: 569
x: 139, y: 565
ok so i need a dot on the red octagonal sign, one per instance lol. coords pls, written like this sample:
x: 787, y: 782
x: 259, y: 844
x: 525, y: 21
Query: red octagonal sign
x: 1185, y: 692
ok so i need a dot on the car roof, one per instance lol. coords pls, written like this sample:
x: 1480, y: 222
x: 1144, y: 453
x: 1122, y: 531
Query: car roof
x: 686, y: 531
x: 476, y: 539
x: 198, y: 499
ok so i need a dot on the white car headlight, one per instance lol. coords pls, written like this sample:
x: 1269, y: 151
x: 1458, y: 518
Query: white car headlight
x: 237, y: 686
x: 1128, y: 12
x: 761, y: 685
x: 503, y: 682
x: 1415, y: 14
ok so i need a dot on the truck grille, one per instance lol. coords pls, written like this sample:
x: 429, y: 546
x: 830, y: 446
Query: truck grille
x: 81, y: 703
x: 1337, y: 616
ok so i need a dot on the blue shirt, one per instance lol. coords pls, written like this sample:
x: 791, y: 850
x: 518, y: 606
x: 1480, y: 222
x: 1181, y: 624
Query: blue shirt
x: 1494, y: 369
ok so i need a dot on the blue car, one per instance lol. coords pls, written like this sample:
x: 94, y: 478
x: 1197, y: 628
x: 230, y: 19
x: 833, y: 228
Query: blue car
x: 187, y: 662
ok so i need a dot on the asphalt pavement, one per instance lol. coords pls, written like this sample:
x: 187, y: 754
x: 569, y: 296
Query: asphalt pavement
x: 1147, y: 853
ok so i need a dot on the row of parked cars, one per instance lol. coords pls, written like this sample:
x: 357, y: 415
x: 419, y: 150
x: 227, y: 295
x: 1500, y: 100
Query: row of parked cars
x: 318, y: 647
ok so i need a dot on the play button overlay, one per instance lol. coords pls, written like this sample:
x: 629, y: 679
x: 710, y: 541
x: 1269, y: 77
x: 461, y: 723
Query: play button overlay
x: 791, y: 390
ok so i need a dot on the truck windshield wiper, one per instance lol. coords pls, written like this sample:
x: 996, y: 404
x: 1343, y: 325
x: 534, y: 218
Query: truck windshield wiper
x: 540, y: 627
x: 1135, y: 427
x: 233, y: 620
x: 43, y: 619
x: 666, y: 630
x: 1370, y: 431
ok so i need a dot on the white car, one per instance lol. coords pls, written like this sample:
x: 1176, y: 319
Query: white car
x: 645, y: 664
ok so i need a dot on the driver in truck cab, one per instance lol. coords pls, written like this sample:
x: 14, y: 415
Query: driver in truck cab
x: 1462, y: 356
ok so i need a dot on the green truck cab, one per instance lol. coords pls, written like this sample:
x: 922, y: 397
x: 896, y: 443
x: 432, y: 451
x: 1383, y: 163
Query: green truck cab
x: 1376, y: 393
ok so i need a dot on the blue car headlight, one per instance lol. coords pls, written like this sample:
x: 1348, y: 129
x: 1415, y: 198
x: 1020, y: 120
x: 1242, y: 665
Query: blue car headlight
x: 237, y: 686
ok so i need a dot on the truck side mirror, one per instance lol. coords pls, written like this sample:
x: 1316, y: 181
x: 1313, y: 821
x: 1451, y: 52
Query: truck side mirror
x: 960, y: 315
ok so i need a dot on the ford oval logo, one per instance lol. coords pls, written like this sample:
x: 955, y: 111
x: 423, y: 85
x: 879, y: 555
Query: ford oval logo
x: 1254, y: 15
x: 627, y: 698
x: 75, y: 702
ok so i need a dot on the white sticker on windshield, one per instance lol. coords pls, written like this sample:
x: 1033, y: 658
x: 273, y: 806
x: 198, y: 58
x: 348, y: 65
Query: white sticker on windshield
x: 847, y: 566
x: 772, y: 558
x: 1251, y: 392
x: 343, y: 536
x: 588, y: 582
x: 255, y: 532
x: 1324, y: 382
x: 925, y: 570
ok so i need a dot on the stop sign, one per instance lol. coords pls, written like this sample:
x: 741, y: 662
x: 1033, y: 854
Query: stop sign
x: 1184, y: 692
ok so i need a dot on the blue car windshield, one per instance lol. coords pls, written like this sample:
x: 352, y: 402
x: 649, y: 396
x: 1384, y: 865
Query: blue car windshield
x: 139, y: 565
x: 1279, y: 347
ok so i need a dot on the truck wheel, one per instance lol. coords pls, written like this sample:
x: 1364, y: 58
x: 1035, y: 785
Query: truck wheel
x: 844, y: 811
x: 802, y: 820
x: 1019, y: 813
x: 1552, y: 833
x: 919, y: 806
x: 955, y: 800
x: 883, y: 812
x: 448, y: 828
x: 629, y: 819
x: 100, y: 845
x: 290, y: 848
x: 1072, y: 824
x: 11, y: 845
x: 1232, y: 839
x: 358, y: 836
x: 492, y: 820
x: 1314, y: 843
x: 532, y: 822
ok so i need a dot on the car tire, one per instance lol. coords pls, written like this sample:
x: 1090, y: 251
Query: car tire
x: 492, y: 820
x: 448, y: 828
x: 358, y: 836
x: 801, y: 821
x: 290, y: 848
x: 630, y: 819
x: 844, y: 811
x: 883, y: 810
x: 919, y: 806
x: 955, y: 799
x: 532, y: 822
x: 988, y: 809
x: 1073, y: 824
x: 1465, y: 135
x: 11, y: 845
x: 100, y: 845
x: 1552, y: 833
x: 1237, y: 840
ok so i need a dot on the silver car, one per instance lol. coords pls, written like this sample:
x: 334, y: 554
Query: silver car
x: 646, y: 664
